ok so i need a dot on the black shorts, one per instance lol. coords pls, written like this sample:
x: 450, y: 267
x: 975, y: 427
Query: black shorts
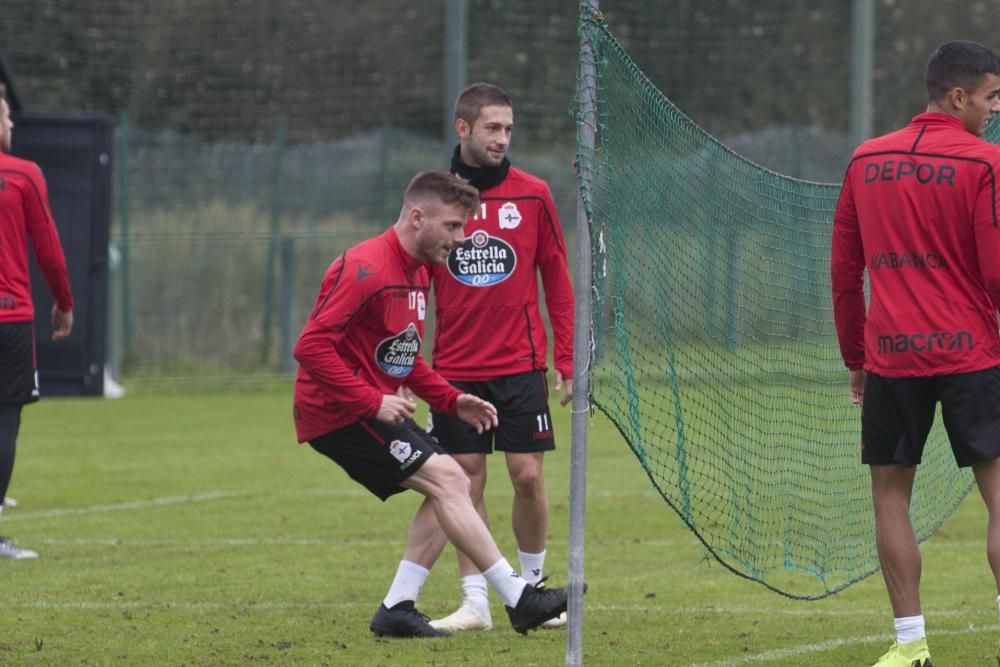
x: 18, y: 376
x: 898, y: 414
x: 378, y: 456
x: 522, y: 403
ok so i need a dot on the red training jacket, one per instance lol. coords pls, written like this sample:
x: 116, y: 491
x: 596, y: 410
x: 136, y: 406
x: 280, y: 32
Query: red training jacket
x: 487, y: 320
x: 24, y: 214
x: 918, y: 210
x: 363, y: 340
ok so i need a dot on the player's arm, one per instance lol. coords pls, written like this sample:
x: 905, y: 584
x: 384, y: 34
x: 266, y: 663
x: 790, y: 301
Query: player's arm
x: 985, y: 221
x: 847, y: 266
x: 341, y: 299
x: 48, y: 250
x: 558, y: 288
x: 396, y: 407
x: 444, y: 398
x: 428, y: 384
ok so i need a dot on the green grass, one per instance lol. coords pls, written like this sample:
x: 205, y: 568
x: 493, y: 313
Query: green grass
x: 189, y: 529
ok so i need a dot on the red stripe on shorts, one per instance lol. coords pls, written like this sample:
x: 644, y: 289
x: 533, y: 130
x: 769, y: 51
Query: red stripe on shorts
x: 373, y: 433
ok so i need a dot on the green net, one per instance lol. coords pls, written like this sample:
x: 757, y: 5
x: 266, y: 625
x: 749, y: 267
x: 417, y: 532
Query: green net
x: 715, y: 353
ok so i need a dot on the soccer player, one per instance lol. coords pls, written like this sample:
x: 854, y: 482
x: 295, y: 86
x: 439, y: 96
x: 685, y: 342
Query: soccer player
x: 24, y: 215
x: 919, y: 211
x: 358, y: 353
x: 489, y: 336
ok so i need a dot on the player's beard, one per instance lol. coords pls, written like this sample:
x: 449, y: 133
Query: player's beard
x: 484, y: 158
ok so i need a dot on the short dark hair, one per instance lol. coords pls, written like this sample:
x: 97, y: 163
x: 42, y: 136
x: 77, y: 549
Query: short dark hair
x: 958, y: 64
x: 444, y: 187
x: 471, y: 101
x: 3, y: 91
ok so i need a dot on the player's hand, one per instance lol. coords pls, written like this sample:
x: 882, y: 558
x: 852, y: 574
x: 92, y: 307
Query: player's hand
x: 62, y: 322
x: 568, y: 383
x: 477, y: 412
x: 395, y: 409
x: 856, y: 380
x: 406, y: 392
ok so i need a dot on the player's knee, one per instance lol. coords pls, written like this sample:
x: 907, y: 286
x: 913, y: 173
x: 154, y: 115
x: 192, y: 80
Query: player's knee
x: 528, y: 481
x: 474, y: 465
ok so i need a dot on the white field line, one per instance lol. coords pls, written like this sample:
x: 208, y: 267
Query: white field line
x: 224, y: 542
x: 22, y: 515
x: 808, y: 610
x: 140, y: 604
x: 334, y: 542
x: 25, y: 515
x: 118, y: 507
x: 821, y: 647
x: 666, y: 611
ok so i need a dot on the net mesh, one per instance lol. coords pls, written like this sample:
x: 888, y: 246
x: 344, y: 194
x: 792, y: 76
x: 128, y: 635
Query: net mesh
x: 715, y: 353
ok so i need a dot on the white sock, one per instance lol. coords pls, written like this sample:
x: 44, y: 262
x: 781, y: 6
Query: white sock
x: 506, y: 582
x: 909, y: 629
x: 998, y: 604
x: 406, y: 585
x: 476, y: 593
x: 531, y: 566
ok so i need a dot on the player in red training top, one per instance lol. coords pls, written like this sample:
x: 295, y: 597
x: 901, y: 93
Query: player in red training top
x: 489, y: 336
x: 24, y: 215
x: 918, y: 210
x: 358, y: 353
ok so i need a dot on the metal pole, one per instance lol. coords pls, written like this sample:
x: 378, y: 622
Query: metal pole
x: 272, y: 244
x: 125, y: 245
x: 455, y: 61
x: 586, y: 135
x: 286, y: 308
x: 382, y: 200
x: 862, y: 59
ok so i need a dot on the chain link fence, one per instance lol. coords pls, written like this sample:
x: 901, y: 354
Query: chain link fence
x: 255, y: 140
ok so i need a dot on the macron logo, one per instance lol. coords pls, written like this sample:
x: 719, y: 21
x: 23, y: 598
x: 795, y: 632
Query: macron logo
x: 363, y: 272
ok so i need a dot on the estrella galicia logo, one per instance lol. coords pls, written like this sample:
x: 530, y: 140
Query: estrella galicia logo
x: 395, y: 355
x: 483, y: 260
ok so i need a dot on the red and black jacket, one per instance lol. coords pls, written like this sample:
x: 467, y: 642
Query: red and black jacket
x: 919, y: 211
x: 363, y: 340
x: 487, y: 320
x: 24, y: 216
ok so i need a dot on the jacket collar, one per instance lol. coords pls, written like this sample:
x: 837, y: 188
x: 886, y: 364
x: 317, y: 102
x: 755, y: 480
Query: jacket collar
x: 481, y: 178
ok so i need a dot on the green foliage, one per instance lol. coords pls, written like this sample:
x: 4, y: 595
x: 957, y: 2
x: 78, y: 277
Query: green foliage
x: 190, y: 530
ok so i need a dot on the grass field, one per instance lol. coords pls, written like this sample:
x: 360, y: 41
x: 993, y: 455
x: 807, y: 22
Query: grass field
x: 189, y: 529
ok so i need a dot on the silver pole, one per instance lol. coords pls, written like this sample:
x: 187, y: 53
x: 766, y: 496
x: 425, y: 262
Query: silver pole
x: 586, y: 133
x: 862, y: 59
x: 455, y: 61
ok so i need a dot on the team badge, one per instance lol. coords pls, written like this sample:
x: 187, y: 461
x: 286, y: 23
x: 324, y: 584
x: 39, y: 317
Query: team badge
x: 400, y: 450
x: 396, y: 355
x: 510, y: 217
x: 482, y: 260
